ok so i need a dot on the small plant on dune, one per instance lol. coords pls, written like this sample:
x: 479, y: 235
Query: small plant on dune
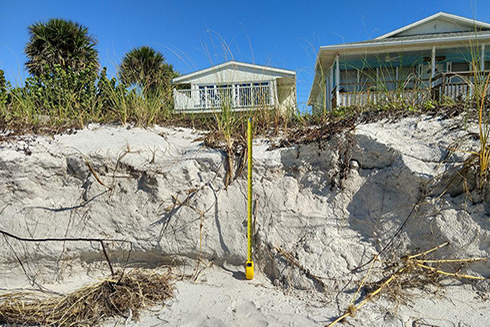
x: 226, y: 123
x: 484, y: 130
x: 153, y: 107
x: 3, y: 90
x: 478, y: 84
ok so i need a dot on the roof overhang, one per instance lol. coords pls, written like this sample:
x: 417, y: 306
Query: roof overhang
x: 327, y: 54
x: 236, y: 65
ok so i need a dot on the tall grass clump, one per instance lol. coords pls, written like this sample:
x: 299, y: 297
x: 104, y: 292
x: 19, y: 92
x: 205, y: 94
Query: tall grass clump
x: 67, y: 99
x: 483, y: 154
x: 3, y: 94
x: 54, y: 98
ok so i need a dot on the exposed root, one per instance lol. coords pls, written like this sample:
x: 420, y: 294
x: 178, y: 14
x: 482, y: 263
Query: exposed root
x: 319, y: 133
x: 68, y: 239
x: 290, y: 258
x: 177, y: 204
x: 88, y: 306
x: 229, y: 164
x: 231, y: 148
x: 94, y: 173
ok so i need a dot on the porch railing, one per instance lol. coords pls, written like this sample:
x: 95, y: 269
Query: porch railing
x: 347, y: 99
x: 451, y: 85
x: 237, y: 97
x: 457, y: 85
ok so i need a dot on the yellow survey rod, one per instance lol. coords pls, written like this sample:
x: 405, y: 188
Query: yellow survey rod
x: 249, y: 265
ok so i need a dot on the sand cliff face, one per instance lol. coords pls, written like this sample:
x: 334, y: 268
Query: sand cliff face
x: 330, y: 207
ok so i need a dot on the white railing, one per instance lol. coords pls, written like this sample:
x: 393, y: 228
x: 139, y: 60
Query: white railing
x: 450, y: 85
x: 215, y: 98
x: 456, y: 91
x: 347, y: 99
x: 457, y: 85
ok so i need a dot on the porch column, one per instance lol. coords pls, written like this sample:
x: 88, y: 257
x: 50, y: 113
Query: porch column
x: 330, y: 88
x: 482, y: 58
x: 337, y: 78
x: 274, y: 96
x: 433, y: 61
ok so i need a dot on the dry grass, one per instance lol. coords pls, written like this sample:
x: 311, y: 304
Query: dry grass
x: 122, y: 295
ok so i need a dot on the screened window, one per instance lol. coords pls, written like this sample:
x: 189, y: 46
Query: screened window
x: 348, y: 80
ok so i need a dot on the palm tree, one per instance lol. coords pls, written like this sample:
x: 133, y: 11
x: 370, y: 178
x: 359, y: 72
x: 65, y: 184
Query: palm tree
x: 146, y: 68
x: 62, y: 43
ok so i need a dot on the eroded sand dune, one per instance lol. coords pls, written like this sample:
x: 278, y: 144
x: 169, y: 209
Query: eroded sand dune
x: 321, y: 212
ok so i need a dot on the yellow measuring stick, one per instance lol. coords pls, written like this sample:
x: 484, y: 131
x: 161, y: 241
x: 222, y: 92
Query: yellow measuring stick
x: 249, y: 265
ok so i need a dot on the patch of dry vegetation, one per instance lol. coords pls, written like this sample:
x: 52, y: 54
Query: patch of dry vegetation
x: 122, y: 295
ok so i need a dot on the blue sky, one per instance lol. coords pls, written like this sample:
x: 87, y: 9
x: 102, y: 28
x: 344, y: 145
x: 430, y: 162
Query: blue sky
x: 194, y: 35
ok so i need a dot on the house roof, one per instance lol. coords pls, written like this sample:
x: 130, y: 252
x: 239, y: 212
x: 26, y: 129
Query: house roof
x: 458, y: 20
x: 410, y: 40
x: 413, y: 37
x: 236, y: 65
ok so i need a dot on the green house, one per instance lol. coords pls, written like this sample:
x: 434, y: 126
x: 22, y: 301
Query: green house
x: 440, y: 56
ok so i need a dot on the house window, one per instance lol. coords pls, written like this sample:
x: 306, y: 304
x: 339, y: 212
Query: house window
x: 348, y: 80
x: 243, y: 95
x: 202, y: 96
x: 460, y: 67
x: 367, y: 79
x: 223, y: 96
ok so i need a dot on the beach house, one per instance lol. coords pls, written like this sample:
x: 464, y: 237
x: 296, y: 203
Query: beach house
x: 235, y: 85
x: 439, y: 56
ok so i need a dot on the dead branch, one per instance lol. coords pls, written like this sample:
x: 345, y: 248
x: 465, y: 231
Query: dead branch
x: 416, y: 268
